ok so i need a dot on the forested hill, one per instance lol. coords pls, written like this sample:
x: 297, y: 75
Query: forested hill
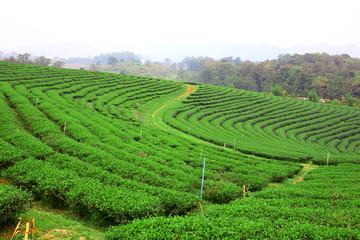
x: 330, y: 76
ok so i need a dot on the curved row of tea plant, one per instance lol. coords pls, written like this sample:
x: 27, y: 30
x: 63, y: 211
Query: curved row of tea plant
x: 75, y: 139
x: 268, y: 126
x: 324, y: 206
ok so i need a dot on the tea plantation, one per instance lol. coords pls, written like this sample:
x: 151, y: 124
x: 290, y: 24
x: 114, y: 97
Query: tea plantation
x: 128, y: 152
x: 268, y: 126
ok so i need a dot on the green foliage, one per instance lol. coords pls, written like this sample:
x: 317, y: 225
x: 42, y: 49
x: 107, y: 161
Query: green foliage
x: 266, y: 126
x: 9, y: 154
x: 278, y: 91
x: 42, y: 61
x: 58, y: 64
x: 13, y: 202
x: 58, y: 224
x: 352, y: 102
x: 221, y: 192
x: 331, y: 76
x: 313, y: 97
x: 86, y: 141
x: 325, y: 205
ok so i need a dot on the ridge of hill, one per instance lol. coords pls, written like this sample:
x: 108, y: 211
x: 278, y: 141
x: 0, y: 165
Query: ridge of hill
x: 80, y: 140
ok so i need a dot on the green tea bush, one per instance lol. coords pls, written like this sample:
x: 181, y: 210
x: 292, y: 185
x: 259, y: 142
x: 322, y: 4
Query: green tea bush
x: 324, y: 206
x: 9, y: 154
x: 221, y: 192
x: 13, y: 202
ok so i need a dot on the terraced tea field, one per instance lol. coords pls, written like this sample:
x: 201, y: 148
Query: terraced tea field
x: 268, y: 126
x: 323, y: 206
x: 114, y: 148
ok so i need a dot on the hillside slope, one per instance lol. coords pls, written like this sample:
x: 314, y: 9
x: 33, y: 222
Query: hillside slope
x: 74, y: 139
x: 268, y: 126
x: 82, y: 140
x: 323, y: 206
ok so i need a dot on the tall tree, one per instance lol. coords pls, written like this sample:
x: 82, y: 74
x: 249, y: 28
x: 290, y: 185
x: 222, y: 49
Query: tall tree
x: 278, y: 91
x: 58, y: 64
x: 313, y: 97
x: 42, y: 61
x: 112, y: 61
x: 23, y: 58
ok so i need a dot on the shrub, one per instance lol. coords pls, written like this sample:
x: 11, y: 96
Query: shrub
x: 221, y: 192
x: 278, y: 91
x: 13, y: 201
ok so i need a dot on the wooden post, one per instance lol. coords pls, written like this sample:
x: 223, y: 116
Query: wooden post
x: 36, y: 103
x: 244, y: 190
x: 26, y: 237
x: 32, y: 228
x: 16, y: 230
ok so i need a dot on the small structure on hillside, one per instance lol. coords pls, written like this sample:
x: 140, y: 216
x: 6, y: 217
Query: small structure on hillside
x: 303, y: 98
x: 323, y: 100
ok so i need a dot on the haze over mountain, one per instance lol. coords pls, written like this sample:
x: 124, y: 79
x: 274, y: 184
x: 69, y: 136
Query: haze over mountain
x: 254, y: 30
x: 178, y: 51
x: 258, y: 52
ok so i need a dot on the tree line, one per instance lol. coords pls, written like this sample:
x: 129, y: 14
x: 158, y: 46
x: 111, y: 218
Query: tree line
x: 329, y: 76
x: 318, y: 75
x: 26, y: 58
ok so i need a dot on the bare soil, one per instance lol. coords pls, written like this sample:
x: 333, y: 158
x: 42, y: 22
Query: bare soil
x: 306, y: 169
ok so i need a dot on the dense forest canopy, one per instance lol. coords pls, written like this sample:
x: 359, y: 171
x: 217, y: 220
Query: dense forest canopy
x: 330, y: 76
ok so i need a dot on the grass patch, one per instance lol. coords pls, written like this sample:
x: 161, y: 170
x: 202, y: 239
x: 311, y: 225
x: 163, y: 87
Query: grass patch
x: 55, y: 224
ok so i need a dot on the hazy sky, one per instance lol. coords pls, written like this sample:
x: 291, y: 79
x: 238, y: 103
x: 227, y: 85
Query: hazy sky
x: 134, y: 25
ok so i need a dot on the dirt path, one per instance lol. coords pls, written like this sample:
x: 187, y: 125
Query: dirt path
x: 306, y: 169
x: 190, y: 89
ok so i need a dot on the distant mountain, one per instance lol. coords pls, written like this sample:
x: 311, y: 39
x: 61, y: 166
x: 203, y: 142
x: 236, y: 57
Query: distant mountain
x: 178, y: 51
x: 259, y: 52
